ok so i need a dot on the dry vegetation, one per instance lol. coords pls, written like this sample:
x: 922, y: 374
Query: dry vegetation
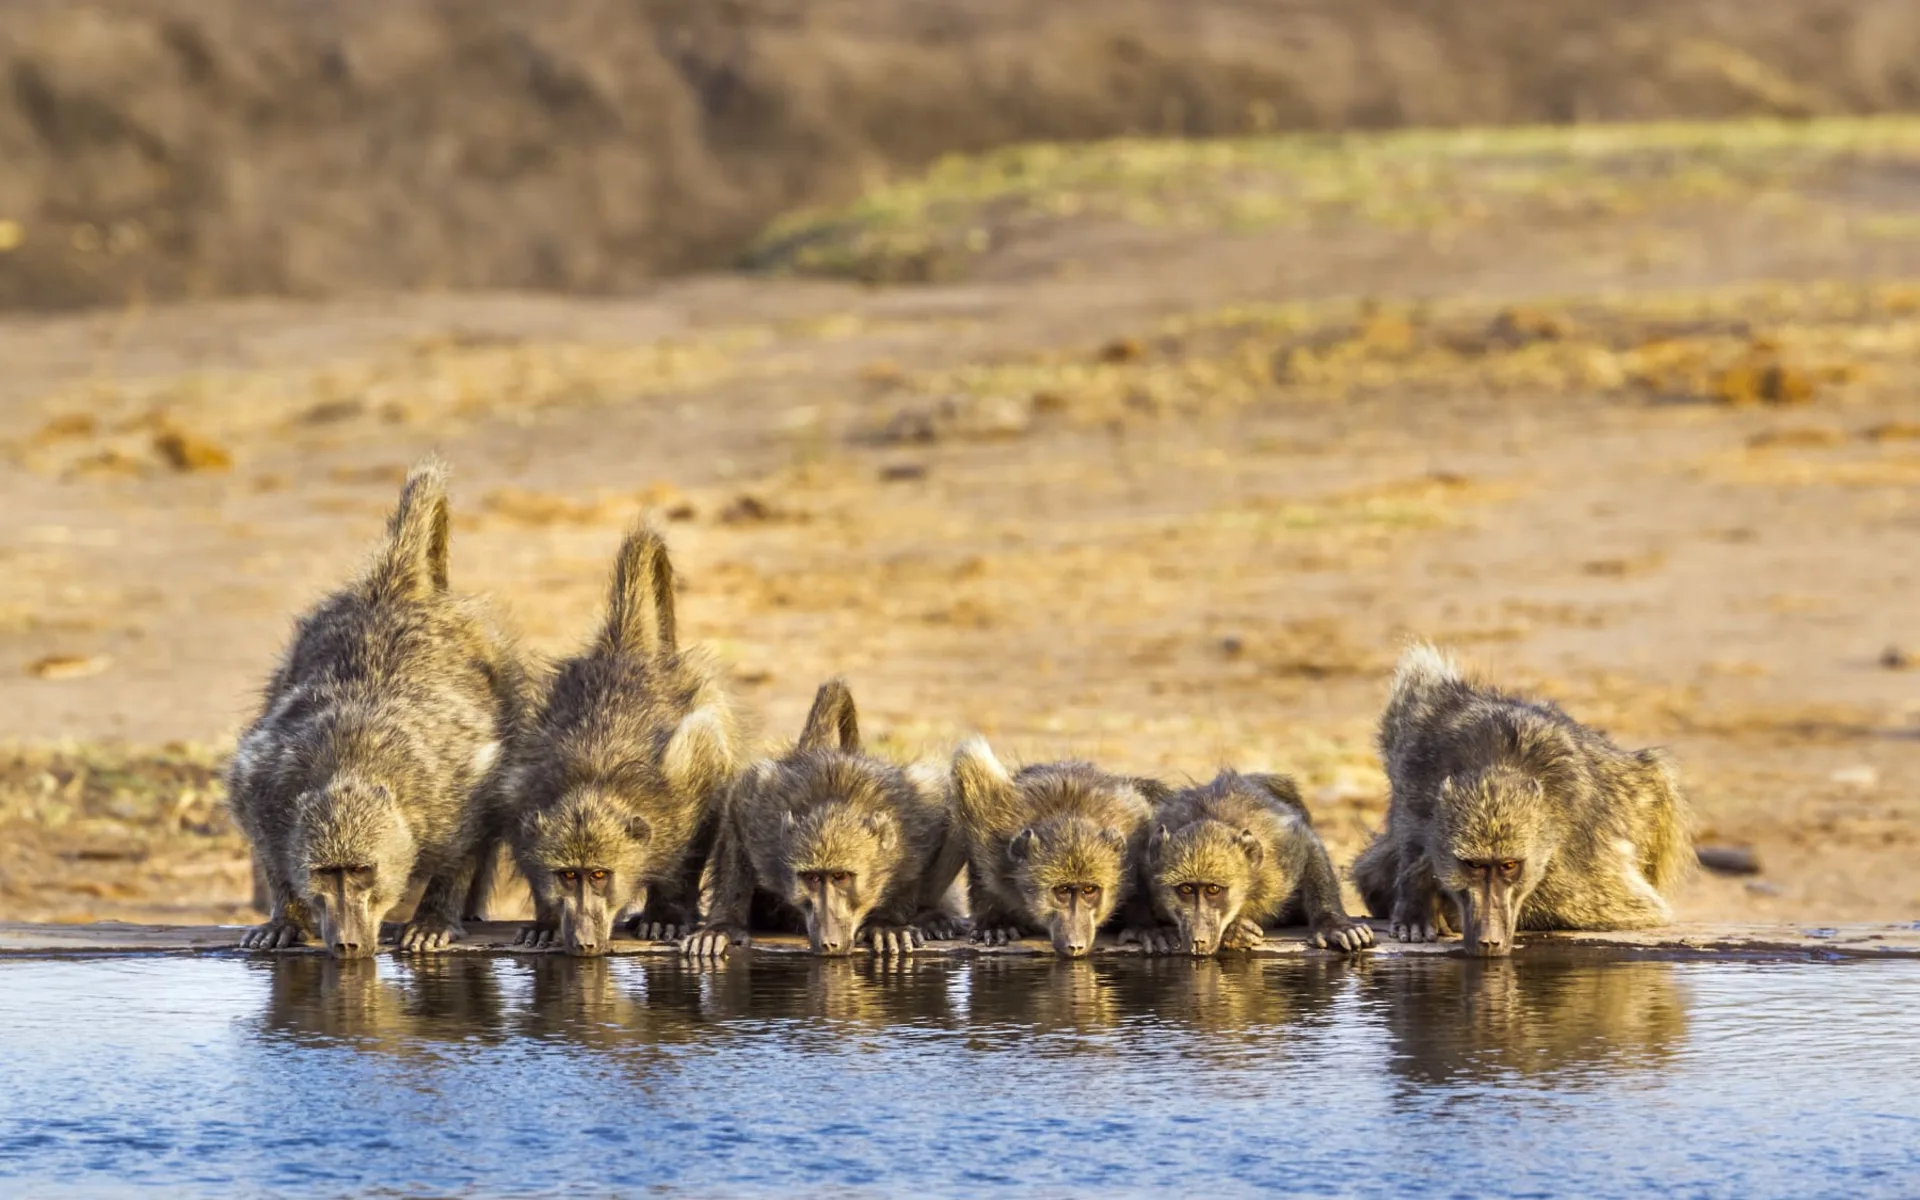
x: 1162, y: 475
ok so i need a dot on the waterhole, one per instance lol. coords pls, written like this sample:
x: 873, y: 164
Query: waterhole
x: 943, y: 1077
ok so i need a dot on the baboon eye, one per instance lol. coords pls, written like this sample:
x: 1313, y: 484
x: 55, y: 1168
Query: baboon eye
x: 1089, y: 890
x: 598, y: 876
x: 1063, y: 894
x: 1509, y: 867
x: 1213, y: 889
x: 1185, y: 889
x: 838, y: 877
x: 570, y: 876
x: 810, y: 878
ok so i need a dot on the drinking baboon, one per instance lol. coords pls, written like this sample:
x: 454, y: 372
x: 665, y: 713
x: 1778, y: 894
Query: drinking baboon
x: 859, y: 848
x: 1519, y: 815
x: 385, y: 715
x: 1053, y: 848
x: 613, y: 792
x: 1231, y: 858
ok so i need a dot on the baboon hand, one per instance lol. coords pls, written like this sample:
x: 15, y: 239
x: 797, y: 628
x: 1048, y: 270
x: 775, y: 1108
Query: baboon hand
x: 428, y: 935
x: 1154, y: 939
x: 1338, y: 933
x: 657, y: 931
x: 274, y: 935
x: 1415, y: 929
x: 894, y: 939
x: 997, y: 935
x: 936, y: 926
x: 1244, y: 934
x: 537, y: 936
x: 709, y: 943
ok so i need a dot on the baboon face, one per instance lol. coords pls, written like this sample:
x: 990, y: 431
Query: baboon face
x: 1494, y: 846
x: 357, y: 857
x: 1200, y: 877
x: 589, y: 857
x: 1071, y: 879
x: 841, y: 864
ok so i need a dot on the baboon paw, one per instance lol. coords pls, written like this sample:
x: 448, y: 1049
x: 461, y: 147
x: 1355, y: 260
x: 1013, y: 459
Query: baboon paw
x: 274, y: 935
x: 939, y: 927
x: 536, y: 937
x: 657, y: 931
x: 1244, y: 934
x: 997, y: 935
x: 894, y: 939
x: 428, y: 937
x: 710, y: 944
x: 1413, y: 931
x: 1348, y: 937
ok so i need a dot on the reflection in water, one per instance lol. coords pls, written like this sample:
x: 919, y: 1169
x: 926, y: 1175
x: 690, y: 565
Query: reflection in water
x: 1571, y: 1025
x: 301, y: 1075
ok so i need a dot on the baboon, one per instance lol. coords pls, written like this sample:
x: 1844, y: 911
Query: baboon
x: 613, y: 790
x: 1231, y: 858
x: 1519, y: 815
x: 860, y: 849
x: 383, y: 718
x: 1053, y: 848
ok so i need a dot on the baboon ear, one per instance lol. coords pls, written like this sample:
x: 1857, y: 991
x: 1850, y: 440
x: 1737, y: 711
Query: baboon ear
x: 833, y: 723
x: 1157, y: 842
x: 978, y: 778
x: 1251, y: 847
x: 1447, y: 789
x: 699, y: 754
x: 1021, y: 847
x: 639, y: 830
x: 787, y: 821
x: 885, y: 833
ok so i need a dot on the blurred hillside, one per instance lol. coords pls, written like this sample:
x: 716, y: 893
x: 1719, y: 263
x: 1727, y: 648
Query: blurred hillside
x: 190, y: 148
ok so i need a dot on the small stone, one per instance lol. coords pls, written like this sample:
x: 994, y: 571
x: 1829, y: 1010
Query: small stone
x: 1893, y: 658
x: 1861, y: 776
x: 1232, y: 646
x: 1761, y: 887
x: 1729, y: 860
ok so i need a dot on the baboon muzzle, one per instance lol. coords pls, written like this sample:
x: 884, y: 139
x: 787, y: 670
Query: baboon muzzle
x: 350, y: 933
x: 585, y: 927
x: 1489, y: 914
x: 829, y: 933
x: 1072, y: 931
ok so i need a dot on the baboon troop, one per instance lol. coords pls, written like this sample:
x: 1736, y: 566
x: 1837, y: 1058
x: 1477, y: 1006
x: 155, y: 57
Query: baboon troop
x: 404, y: 741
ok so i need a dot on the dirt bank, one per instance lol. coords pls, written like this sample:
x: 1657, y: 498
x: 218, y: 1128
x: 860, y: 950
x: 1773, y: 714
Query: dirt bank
x: 197, y: 148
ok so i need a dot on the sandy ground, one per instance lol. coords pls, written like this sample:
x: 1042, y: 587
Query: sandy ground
x: 1167, y: 498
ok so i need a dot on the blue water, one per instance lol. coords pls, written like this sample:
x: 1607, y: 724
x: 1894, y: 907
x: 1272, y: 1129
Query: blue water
x: 300, y: 1076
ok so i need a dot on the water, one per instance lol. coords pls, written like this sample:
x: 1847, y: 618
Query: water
x: 951, y: 1077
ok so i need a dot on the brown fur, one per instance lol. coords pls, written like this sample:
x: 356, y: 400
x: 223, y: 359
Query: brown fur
x: 1231, y: 858
x: 615, y: 787
x: 384, y: 717
x: 853, y: 847
x: 1054, y: 848
x: 1580, y: 833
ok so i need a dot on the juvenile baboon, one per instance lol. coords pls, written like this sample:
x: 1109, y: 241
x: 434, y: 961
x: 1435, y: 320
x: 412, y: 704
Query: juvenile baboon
x: 614, y: 789
x: 1053, y: 848
x: 384, y: 716
x: 860, y: 849
x: 1233, y: 857
x: 1519, y: 815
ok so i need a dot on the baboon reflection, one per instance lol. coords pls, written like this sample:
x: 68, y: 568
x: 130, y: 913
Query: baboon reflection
x: 384, y: 1004
x: 1464, y: 1020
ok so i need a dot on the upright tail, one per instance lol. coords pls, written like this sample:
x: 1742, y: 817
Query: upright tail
x: 833, y: 723
x: 413, y: 563
x: 640, y: 615
x: 1422, y: 672
x: 1666, y: 848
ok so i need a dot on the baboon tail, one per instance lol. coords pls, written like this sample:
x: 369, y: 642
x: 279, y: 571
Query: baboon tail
x: 833, y: 724
x: 413, y: 563
x: 1666, y: 848
x: 1422, y: 672
x: 640, y: 616
x: 1375, y: 873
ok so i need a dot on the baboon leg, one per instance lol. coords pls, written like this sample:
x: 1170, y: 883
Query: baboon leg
x: 932, y: 916
x: 729, y: 905
x: 436, y: 919
x: 1320, y: 900
x: 486, y: 877
x: 1416, y: 902
x: 289, y: 921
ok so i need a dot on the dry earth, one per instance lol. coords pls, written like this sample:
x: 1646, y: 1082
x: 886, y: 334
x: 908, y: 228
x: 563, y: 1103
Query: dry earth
x: 1167, y: 492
